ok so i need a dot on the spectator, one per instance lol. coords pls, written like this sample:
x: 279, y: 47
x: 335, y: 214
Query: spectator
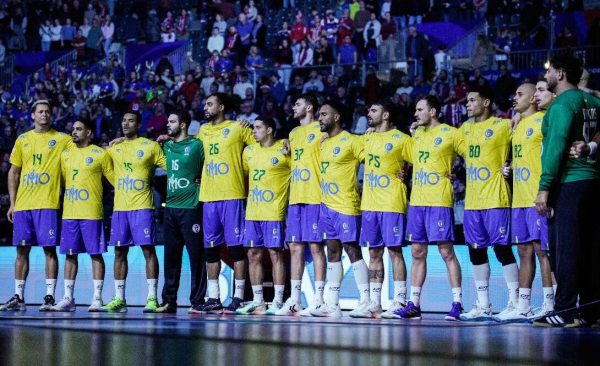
x: 277, y: 89
x: 55, y: 35
x: 67, y: 33
x: 233, y: 43
x: 283, y: 33
x: 323, y: 53
x: 388, y: 41
x: 454, y: 112
x: 18, y: 26
x: 157, y: 125
x: 189, y: 87
x: 168, y: 37
x: 304, y: 56
x: 330, y: 25
x: 242, y: 85
x: 168, y: 23
x: 372, y: 38
x: 502, y: 47
x: 216, y: 42
x: 346, y: 26
x: 225, y: 62
x: 244, y: 29
x: 442, y: 61
x: 421, y: 88
x: 506, y: 85
x: 108, y: 30
x: 45, y: 35
x: 416, y: 50
x: 405, y: 87
x: 314, y: 83
x: 90, y: 13
x: 480, y: 55
x: 442, y: 87
x: 85, y: 27
x: 132, y: 29
x: 78, y: 44
x: 254, y: 60
x: 225, y: 8
x: 220, y: 24
x: 182, y: 24
x: 207, y: 80
x: 283, y: 60
x: 416, y: 9
x: 252, y: 12
x: 247, y: 114
x: 297, y: 34
x: 360, y: 121
x: 259, y: 33
x: 152, y: 27
x: 314, y: 31
x: 347, y: 54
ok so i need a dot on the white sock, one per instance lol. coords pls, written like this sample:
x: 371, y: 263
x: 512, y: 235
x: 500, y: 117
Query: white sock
x: 511, y: 275
x: 524, y: 299
x: 548, y: 295
x: 279, y: 293
x: 98, y: 285
x: 20, y: 288
x: 415, y: 295
x: 239, y: 289
x: 320, y: 289
x: 50, y: 286
x: 213, y: 289
x: 481, y: 274
x: 400, y: 291
x: 296, y: 292
x: 69, y: 289
x: 375, y: 288
x: 334, y: 276
x: 554, y: 287
x: 457, y: 294
x: 120, y: 289
x: 361, y: 277
x: 152, y: 287
x: 257, y: 291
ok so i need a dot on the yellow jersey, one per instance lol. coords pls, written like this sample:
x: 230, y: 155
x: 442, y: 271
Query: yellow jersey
x: 38, y: 156
x: 222, y: 173
x: 527, y: 160
x: 268, y: 171
x: 340, y: 157
x: 305, y: 142
x: 82, y: 171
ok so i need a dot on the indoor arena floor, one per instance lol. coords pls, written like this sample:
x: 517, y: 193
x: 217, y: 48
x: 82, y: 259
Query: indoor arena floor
x: 82, y: 338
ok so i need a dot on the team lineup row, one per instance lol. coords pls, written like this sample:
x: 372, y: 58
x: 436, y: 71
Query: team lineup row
x: 258, y: 193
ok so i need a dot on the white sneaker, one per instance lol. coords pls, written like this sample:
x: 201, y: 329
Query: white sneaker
x: 275, y: 305
x: 306, y: 312
x: 362, y: 310
x: 508, y: 313
x: 389, y: 313
x: 252, y: 308
x: 95, y: 306
x: 66, y: 305
x: 329, y: 311
x: 289, y: 308
x: 543, y: 311
x: 478, y: 313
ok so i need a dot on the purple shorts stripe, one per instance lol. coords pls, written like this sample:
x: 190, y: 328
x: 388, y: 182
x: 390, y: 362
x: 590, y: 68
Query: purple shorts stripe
x: 527, y: 226
x: 267, y: 234
x: 335, y: 225
x: 36, y: 227
x: 484, y: 228
x: 302, y: 225
x: 82, y: 236
x: 430, y: 224
x: 382, y: 229
x: 132, y: 228
x: 223, y: 223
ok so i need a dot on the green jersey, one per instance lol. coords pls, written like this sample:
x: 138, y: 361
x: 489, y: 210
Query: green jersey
x: 571, y: 117
x: 184, y: 166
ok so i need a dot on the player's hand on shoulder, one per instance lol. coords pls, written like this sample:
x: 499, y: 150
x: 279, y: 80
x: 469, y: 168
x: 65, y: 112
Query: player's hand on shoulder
x: 244, y: 123
x: 116, y: 141
x: 286, y: 147
x: 413, y: 127
x: 162, y: 139
x: 514, y: 121
x: 369, y: 130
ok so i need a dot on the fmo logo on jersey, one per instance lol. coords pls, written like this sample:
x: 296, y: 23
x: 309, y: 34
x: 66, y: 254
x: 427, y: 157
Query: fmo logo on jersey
x: 34, y: 178
x: 521, y: 174
x: 261, y: 195
x: 213, y: 168
x: 128, y: 184
x: 424, y: 178
x: 477, y: 173
x: 174, y: 183
x: 329, y: 188
x: 300, y: 175
x: 377, y: 180
x: 75, y: 194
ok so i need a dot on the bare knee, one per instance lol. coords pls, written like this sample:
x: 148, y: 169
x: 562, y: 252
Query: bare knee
x: 121, y: 254
x: 255, y: 256
x: 419, y: 252
x: 447, y: 253
x: 376, y: 255
x: 525, y: 251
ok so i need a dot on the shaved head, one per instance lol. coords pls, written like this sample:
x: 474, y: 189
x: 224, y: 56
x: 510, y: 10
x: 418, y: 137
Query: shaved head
x: 523, y: 99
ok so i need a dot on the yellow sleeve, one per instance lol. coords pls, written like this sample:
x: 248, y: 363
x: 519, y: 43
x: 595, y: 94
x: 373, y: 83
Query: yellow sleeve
x: 245, y: 162
x: 358, y: 147
x: 108, y: 169
x: 458, y: 142
x: 247, y: 136
x: 407, y: 149
x: 15, y: 155
x: 159, y: 157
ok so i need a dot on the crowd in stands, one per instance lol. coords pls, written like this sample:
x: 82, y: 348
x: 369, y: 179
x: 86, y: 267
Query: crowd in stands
x: 237, y: 45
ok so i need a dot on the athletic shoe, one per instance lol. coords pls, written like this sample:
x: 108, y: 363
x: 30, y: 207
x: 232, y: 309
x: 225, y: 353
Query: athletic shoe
x: 233, y: 306
x: 15, y: 303
x: 362, y: 310
x: 410, y: 311
x: 556, y: 321
x: 116, y: 305
x: 95, y: 306
x: 252, y: 308
x: 389, y: 313
x: 306, y: 312
x: 326, y: 310
x: 274, y: 307
x: 167, y: 308
x: 478, y: 313
x: 65, y: 305
x: 546, y: 309
x: 507, y: 314
x: 48, y: 303
x: 289, y: 308
x: 151, y: 305
x: 211, y: 306
x: 455, y: 311
x: 370, y: 311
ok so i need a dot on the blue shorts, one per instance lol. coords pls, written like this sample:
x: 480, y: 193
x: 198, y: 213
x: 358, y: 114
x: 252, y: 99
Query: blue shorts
x: 484, y: 228
x: 36, y: 227
x: 263, y: 234
x: 132, y: 228
x: 302, y: 225
x: 335, y: 225
x: 223, y: 223
x: 382, y: 229
x: 430, y: 224
x: 82, y: 236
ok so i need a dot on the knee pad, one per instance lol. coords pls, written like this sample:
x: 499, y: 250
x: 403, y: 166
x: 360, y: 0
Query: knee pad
x: 478, y: 256
x: 212, y: 255
x: 237, y: 253
x: 504, y: 254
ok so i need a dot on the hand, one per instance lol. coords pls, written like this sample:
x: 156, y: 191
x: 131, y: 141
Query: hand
x: 244, y: 123
x: 541, y: 203
x: 506, y: 171
x: 579, y: 149
x: 402, y: 174
x: 286, y: 147
x: 369, y: 130
x: 515, y: 120
x: 413, y: 127
x: 10, y: 214
x: 451, y: 176
x: 162, y: 138
x: 116, y: 141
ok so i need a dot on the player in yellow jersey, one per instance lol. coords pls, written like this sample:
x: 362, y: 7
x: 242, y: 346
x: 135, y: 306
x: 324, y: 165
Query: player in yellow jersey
x: 134, y: 160
x: 487, y: 204
x: 268, y: 169
x: 302, y: 225
x: 339, y: 217
x: 383, y: 208
x: 223, y: 192
x: 34, y: 190
x: 82, y: 229
x: 432, y: 151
